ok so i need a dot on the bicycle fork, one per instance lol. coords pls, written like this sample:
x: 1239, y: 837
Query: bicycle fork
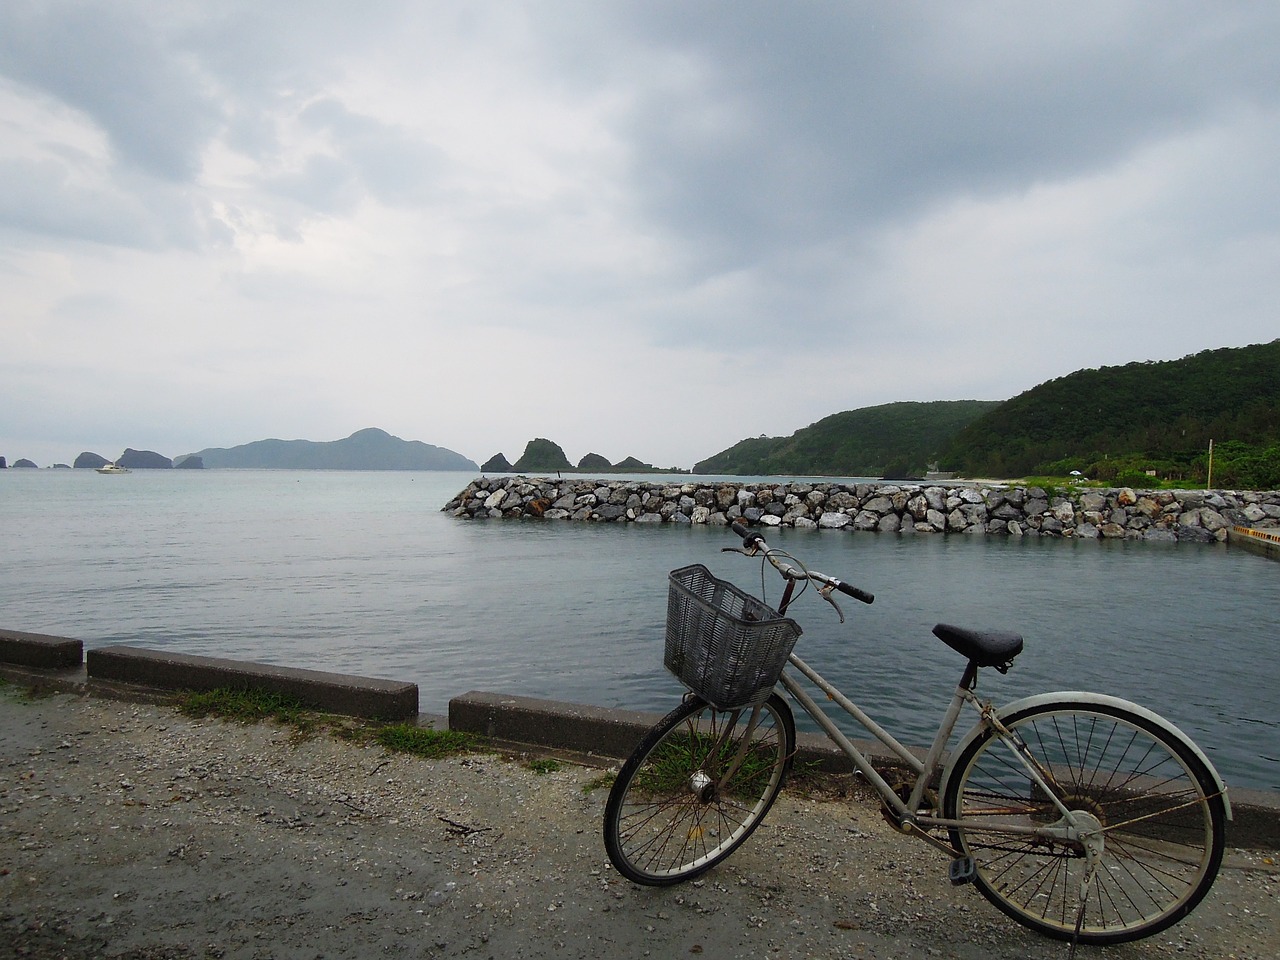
x: 701, y: 783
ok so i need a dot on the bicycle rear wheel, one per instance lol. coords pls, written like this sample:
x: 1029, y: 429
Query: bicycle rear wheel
x: 1155, y: 804
x: 695, y: 788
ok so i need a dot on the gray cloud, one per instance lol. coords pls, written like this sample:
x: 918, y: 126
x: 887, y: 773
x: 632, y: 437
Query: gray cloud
x: 391, y: 164
x: 797, y: 124
x: 859, y: 202
x: 112, y: 63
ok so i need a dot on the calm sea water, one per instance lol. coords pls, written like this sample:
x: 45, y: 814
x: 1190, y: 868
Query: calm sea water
x: 361, y: 573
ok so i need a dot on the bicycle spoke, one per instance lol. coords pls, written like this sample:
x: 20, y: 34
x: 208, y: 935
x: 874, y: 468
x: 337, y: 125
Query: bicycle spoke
x: 1160, y: 836
x: 696, y: 789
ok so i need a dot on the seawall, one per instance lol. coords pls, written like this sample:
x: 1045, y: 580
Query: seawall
x: 887, y: 507
x: 593, y: 735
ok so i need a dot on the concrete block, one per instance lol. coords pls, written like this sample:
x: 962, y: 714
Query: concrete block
x: 330, y: 692
x: 602, y: 732
x: 40, y: 650
x: 551, y: 723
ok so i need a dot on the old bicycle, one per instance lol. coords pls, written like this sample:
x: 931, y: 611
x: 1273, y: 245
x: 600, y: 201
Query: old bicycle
x: 1083, y: 816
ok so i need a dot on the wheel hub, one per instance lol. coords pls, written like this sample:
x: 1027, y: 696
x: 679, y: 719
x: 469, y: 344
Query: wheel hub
x: 702, y: 786
x: 1081, y: 833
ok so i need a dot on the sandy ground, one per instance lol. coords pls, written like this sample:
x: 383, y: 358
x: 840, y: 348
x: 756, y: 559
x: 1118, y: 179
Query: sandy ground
x: 132, y: 831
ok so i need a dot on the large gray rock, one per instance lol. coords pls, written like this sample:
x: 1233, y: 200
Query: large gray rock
x: 866, y: 520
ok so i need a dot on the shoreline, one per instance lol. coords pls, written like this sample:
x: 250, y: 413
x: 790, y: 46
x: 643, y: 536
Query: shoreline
x: 591, y: 735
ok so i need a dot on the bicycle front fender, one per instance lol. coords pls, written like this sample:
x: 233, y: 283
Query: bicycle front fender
x: 1094, y: 699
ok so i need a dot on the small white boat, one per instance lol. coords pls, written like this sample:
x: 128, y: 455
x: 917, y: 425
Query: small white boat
x: 112, y: 468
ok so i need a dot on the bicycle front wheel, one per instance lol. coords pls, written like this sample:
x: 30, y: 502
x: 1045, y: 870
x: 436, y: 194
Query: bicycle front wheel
x: 696, y: 787
x: 1150, y: 816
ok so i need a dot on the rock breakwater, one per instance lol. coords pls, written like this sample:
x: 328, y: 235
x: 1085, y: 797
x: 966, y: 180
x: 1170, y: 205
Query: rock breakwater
x: 905, y: 508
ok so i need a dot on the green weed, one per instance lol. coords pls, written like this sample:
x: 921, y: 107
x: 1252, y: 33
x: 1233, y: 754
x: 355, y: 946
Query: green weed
x: 243, y: 705
x: 604, y: 781
x: 254, y: 706
x: 423, y: 742
x: 671, y: 764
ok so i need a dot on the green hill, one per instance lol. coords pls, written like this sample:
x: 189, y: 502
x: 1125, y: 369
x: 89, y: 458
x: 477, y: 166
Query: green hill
x: 895, y: 439
x: 1118, y: 421
x: 369, y: 449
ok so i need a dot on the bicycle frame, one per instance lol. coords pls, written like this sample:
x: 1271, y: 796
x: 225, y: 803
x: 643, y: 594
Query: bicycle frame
x: 905, y: 811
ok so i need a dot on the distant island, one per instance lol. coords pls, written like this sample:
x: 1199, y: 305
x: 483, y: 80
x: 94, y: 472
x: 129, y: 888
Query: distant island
x: 368, y: 449
x: 544, y: 456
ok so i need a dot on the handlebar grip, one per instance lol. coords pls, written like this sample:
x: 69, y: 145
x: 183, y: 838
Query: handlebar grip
x: 854, y: 592
x: 746, y: 535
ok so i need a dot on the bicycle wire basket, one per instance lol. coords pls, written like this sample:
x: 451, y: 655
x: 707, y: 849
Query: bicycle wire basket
x: 723, y: 644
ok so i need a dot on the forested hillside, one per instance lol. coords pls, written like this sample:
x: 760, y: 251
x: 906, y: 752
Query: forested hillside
x: 895, y: 439
x: 1118, y: 422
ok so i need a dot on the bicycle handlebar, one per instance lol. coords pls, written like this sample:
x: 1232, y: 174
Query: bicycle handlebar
x: 855, y: 592
x: 753, y: 543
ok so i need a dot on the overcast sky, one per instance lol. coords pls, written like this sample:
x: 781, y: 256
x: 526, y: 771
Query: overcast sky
x: 642, y: 229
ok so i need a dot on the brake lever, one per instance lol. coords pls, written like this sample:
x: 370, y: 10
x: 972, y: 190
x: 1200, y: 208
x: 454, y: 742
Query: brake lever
x: 742, y: 550
x: 825, y: 591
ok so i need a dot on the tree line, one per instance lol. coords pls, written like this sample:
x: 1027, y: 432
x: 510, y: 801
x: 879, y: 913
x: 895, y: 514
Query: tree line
x: 1117, y: 424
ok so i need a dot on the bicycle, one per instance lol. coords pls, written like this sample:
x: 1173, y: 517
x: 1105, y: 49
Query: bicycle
x: 1085, y: 817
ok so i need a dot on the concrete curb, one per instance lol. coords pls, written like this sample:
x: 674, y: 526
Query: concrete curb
x: 591, y: 731
x: 39, y: 650
x: 594, y: 733
x: 330, y: 692
x: 599, y: 732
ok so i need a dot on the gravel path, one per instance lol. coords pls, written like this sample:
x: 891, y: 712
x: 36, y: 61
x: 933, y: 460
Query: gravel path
x: 132, y: 831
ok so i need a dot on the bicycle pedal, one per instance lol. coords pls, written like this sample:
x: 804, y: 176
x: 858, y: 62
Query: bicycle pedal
x: 962, y: 870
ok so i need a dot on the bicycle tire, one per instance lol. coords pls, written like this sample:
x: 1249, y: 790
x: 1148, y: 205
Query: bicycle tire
x: 1160, y: 808
x: 669, y: 817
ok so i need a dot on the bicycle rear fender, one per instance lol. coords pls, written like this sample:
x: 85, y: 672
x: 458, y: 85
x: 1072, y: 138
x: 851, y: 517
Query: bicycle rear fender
x: 1095, y: 699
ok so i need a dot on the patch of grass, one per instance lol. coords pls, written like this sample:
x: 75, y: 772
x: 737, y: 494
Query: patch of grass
x: 350, y: 729
x: 604, y: 781
x: 28, y: 690
x: 422, y: 742
x: 1057, y: 486
x: 542, y: 765
x: 244, y: 705
x: 255, y: 706
x: 670, y: 765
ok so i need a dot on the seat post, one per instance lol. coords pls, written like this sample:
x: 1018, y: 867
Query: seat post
x: 969, y: 679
